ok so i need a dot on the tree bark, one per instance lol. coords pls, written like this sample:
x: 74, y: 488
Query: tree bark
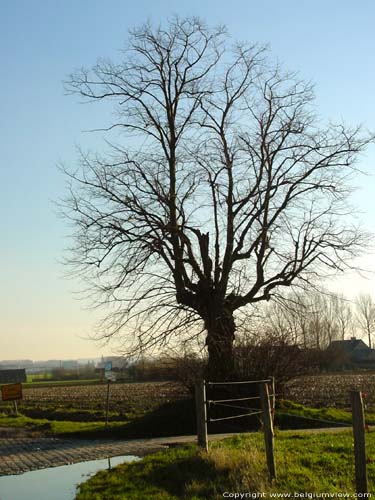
x: 220, y: 337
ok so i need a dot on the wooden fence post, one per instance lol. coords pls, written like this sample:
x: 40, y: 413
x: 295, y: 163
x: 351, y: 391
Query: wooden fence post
x: 201, y: 413
x: 107, y: 403
x: 268, y: 429
x: 273, y: 397
x: 359, y: 442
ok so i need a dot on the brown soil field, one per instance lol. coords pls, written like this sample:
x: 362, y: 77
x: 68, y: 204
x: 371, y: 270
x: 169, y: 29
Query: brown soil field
x: 124, y: 397
x: 330, y: 390
x: 325, y: 390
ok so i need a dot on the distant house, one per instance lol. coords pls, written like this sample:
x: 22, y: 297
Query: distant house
x: 353, y: 353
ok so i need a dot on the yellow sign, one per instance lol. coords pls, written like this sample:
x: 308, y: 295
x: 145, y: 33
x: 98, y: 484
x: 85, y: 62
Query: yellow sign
x: 11, y: 392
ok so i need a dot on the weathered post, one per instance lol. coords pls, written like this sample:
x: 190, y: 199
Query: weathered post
x: 201, y: 413
x: 273, y: 397
x: 268, y: 429
x: 359, y: 442
x: 107, y: 403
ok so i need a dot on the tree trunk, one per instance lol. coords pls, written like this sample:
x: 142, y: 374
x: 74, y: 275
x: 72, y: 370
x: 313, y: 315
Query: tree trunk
x: 220, y: 337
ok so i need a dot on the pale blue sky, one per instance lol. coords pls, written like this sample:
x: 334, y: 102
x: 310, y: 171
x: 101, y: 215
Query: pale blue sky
x: 42, y: 41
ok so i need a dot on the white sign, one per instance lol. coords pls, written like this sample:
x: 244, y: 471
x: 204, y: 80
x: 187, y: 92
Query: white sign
x: 110, y: 376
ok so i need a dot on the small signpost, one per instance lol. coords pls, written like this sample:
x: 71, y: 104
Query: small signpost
x: 12, y: 388
x: 12, y: 392
x: 107, y: 366
x: 111, y: 377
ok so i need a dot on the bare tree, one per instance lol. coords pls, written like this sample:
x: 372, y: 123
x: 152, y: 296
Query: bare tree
x: 315, y: 319
x: 224, y: 189
x: 344, y: 315
x: 284, y: 319
x: 301, y: 317
x: 366, y: 315
x: 305, y: 318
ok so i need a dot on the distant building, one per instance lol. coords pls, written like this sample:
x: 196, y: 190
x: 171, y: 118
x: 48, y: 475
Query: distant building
x: 69, y: 364
x: 37, y: 367
x: 12, y: 376
x: 16, y: 363
x: 353, y: 353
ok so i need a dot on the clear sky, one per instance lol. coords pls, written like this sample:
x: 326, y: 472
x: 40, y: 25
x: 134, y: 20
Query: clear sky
x: 329, y: 42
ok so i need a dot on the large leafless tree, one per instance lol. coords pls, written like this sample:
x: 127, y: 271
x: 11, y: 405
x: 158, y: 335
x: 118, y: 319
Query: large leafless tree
x: 222, y: 187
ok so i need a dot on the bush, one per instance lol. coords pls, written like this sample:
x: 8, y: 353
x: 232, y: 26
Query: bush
x: 273, y: 357
x: 188, y: 370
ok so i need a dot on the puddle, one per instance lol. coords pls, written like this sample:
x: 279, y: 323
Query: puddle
x: 57, y: 483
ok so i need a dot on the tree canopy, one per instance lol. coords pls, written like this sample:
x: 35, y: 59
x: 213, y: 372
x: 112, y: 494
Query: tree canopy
x: 221, y: 188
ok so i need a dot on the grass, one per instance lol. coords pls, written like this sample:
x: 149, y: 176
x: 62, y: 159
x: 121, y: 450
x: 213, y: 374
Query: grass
x: 314, y: 416
x: 36, y: 377
x: 172, y: 418
x: 308, y: 462
x: 61, y: 412
x: 60, y: 428
x: 169, y: 419
x: 59, y: 383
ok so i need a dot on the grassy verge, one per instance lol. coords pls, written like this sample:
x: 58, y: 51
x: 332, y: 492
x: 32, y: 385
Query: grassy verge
x: 40, y: 377
x: 62, y: 413
x: 309, y: 462
x: 59, y: 383
x: 61, y: 428
x: 169, y: 419
x: 288, y: 411
x: 172, y: 418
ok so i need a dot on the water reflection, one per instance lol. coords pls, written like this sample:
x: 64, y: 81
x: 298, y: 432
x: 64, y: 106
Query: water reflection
x: 57, y: 483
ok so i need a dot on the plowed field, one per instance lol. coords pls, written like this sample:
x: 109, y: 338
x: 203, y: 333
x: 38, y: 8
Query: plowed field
x: 330, y: 390
x: 130, y: 398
